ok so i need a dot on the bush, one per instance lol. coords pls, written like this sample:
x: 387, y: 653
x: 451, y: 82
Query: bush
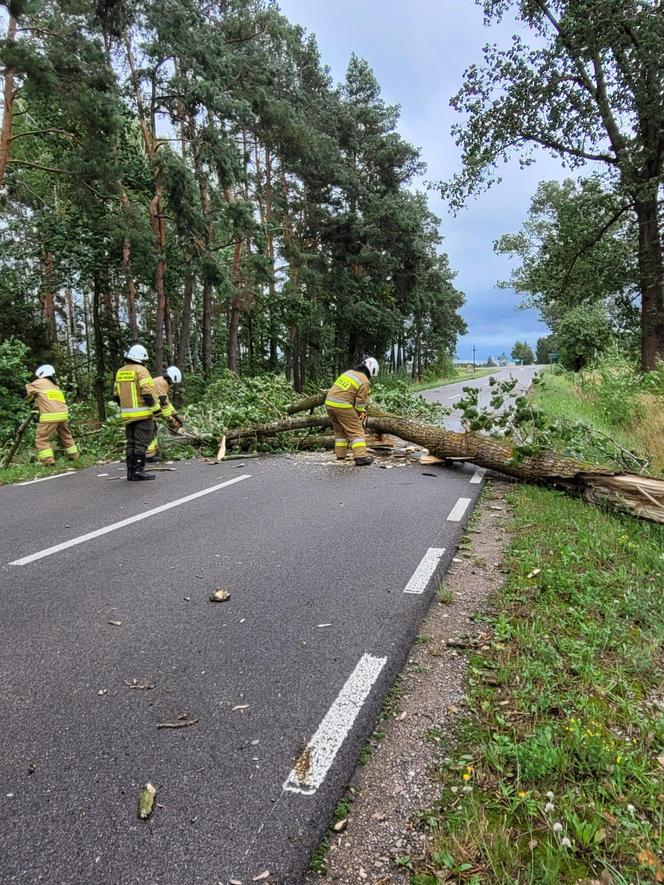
x: 613, y: 383
x: 13, y: 378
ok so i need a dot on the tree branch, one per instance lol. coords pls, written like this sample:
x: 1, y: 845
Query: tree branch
x: 590, y: 243
x: 69, y: 135
x: 555, y: 145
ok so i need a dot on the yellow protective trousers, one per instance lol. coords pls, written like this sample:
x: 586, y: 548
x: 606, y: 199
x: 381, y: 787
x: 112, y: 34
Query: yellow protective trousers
x: 43, y: 435
x: 348, y: 431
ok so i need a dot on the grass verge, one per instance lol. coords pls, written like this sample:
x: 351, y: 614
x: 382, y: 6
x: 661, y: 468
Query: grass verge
x: 459, y: 376
x: 561, y: 397
x: 558, y: 777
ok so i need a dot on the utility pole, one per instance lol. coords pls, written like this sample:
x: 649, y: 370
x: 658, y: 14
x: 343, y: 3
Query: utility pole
x: 474, y: 349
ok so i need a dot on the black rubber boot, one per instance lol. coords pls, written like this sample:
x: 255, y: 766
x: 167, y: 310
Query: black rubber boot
x: 364, y: 461
x: 138, y: 473
x: 130, y: 466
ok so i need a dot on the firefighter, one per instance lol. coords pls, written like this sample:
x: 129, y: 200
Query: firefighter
x: 134, y: 392
x: 162, y: 388
x: 346, y: 404
x: 53, y: 416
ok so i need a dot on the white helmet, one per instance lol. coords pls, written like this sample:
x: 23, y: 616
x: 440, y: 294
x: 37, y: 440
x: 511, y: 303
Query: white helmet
x: 371, y: 365
x: 45, y: 371
x: 137, y: 354
x: 174, y: 374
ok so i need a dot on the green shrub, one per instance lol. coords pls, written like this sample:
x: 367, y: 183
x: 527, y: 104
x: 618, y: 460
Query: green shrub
x: 13, y: 378
x: 613, y: 383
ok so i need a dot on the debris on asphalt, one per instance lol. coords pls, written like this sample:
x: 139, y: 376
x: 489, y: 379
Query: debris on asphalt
x: 261, y: 876
x: 219, y: 595
x: 146, y: 801
x: 102, y: 691
x: 182, y: 721
x: 323, y: 625
x: 141, y: 686
x: 115, y: 623
x: 424, y: 473
x: 240, y: 707
x: 340, y: 825
x: 430, y: 459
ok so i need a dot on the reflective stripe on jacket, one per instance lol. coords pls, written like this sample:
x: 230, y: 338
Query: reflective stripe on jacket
x: 50, y: 400
x: 131, y: 382
x: 161, y: 390
x: 350, y: 391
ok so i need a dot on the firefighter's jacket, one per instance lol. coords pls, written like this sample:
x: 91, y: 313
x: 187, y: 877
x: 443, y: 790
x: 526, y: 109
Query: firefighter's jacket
x: 50, y: 401
x: 134, y: 388
x: 161, y: 390
x: 350, y: 391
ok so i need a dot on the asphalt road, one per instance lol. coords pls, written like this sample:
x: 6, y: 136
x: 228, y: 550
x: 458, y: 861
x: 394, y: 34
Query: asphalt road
x: 330, y: 570
x: 452, y: 393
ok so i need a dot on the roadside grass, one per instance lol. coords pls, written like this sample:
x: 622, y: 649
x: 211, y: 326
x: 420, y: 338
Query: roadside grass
x: 459, y: 375
x: 560, y: 396
x: 558, y: 776
x: 25, y: 470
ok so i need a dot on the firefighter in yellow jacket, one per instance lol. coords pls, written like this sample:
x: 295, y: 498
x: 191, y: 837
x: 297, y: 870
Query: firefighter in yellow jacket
x: 346, y: 403
x: 162, y: 389
x: 134, y: 392
x: 53, y: 415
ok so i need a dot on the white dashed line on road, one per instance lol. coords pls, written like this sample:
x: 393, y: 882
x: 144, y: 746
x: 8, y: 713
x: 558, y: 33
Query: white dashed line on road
x: 316, y: 759
x: 458, y: 510
x: 478, y: 476
x: 49, y: 551
x: 456, y: 396
x: 46, y: 478
x: 424, y: 571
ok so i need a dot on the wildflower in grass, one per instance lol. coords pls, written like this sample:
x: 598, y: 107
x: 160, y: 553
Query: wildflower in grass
x: 557, y: 827
x: 549, y: 807
x: 466, y: 789
x: 618, y: 759
x: 631, y: 809
x: 521, y: 794
x: 565, y: 842
x: 549, y: 795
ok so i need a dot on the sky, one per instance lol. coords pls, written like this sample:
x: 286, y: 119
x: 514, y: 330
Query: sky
x: 418, y: 50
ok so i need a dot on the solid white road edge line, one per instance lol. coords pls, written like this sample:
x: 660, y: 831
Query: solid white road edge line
x: 317, y: 758
x: 124, y: 522
x: 458, y: 510
x: 30, y: 482
x: 422, y: 574
x: 478, y: 476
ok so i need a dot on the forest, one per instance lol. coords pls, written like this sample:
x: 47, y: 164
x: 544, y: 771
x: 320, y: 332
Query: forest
x: 189, y: 176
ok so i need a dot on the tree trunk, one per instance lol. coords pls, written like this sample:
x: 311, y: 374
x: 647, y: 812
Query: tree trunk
x: 48, y: 298
x: 651, y: 275
x: 637, y: 496
x: 185, y: 321
x: 207, y: 328
x: 99, y: 351
x: 8, y: 98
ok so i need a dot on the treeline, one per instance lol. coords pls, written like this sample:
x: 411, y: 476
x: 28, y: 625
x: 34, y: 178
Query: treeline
x: 188, y: 174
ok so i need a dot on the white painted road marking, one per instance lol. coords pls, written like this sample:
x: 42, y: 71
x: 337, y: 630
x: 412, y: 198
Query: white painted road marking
x: 458, y: 510
x: 124, y: 522
x: 426, y: 568
x: 456, y: 396
x: 317, y: 758
x: 45, y: 478
x: 478, y: 476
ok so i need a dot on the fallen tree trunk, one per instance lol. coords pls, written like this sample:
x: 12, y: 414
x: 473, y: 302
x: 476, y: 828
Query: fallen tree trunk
x: 634, y: 495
